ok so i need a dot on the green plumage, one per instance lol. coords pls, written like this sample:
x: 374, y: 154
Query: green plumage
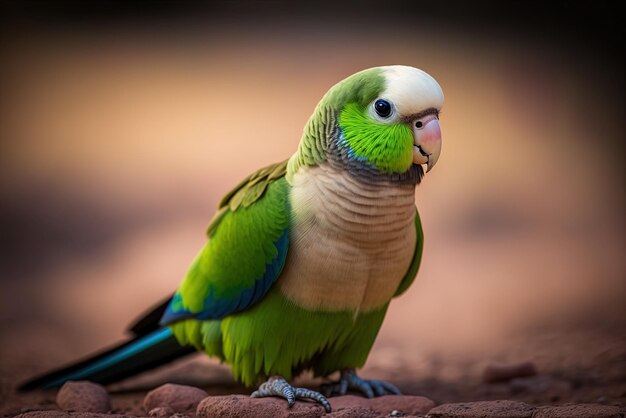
x: 387, y: 147
x: 303, y: 256
x: 242, y: 242
x: 359, y: 89
x: 275, y: 336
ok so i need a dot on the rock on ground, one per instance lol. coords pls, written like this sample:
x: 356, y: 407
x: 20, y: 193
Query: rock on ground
x: 242, y: 406
x: 405, y: 404
x: 356, y: 412
x: 352, y: 407
x: 578, y: 411
x: 514, y: 409
x: 177, y: 398
x: 66, y: 414
x: 384, y: 405
x: 83, y: 396
x: 500, y: 409
x: 342, y: 406
x: 348, y: 401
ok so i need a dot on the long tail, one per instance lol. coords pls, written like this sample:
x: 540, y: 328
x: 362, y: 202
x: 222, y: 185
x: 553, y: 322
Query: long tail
x: 139, y: 354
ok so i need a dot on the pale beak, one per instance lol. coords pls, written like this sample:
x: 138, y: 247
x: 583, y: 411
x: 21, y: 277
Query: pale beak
x: 426, y: 140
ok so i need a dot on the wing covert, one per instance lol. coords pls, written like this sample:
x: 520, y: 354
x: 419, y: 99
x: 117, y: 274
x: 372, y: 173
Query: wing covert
x: 245, y: 253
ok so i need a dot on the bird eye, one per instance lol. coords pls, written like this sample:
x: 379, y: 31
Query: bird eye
x: 382, y: 108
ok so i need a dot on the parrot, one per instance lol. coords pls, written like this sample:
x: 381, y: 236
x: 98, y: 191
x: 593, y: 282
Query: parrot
x: 302, y: 257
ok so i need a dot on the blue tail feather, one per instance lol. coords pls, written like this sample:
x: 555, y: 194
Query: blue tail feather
x: 132, y: 357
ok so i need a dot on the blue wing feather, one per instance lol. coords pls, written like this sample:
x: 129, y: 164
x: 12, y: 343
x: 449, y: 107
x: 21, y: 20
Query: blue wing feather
x: 217, y: 308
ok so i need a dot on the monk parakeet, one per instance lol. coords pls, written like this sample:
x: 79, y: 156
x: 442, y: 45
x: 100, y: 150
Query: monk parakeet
x: 304, y: 256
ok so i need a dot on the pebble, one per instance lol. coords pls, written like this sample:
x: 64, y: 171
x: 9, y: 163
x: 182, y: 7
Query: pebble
x: 66, y: 414
x: 342, y: 406
x: 501, y: 409
x: 338, y: 403
x: 243, y: 406
x: 384, y: 405
x: 83, y: 396
x: 353, y: 413
x: 46, y: 414
x: 578, y: 411
x: 177, y: 398
x: 405, y: 404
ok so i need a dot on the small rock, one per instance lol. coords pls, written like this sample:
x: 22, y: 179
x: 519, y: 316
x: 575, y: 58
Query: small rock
x: 66, y: 414
x: 384, y: 405
x: 44, y: 414
x: 161, y: 412
x: 178, y: 398
x: 242, y: 406
x: 353, y: 413
x: 578, y: 411
x: 11, y: 412
x: 338, y: 403
x: 503, y: 372
x: 501, y: 409
x: 83, y: 396
x: 406, y: 404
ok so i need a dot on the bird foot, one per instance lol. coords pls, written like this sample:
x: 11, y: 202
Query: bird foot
x: 350, y: 380
x: 278, y: 386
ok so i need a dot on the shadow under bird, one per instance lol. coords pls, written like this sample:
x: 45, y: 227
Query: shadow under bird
x: 304, y: 256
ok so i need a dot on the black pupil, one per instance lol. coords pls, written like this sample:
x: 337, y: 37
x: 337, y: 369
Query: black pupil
x: 383, y: 108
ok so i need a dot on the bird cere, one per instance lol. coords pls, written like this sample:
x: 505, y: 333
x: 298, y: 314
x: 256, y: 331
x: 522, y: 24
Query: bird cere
x: 304, y: 256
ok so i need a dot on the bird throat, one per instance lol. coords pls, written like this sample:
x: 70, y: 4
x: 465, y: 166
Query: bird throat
x: 351, y: 240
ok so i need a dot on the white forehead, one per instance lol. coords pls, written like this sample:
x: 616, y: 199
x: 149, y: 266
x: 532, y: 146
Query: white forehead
x: 411, y: 90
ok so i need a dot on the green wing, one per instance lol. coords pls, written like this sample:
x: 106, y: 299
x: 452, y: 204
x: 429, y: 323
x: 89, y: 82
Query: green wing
x: 245, y: 253
x: 417, y: 257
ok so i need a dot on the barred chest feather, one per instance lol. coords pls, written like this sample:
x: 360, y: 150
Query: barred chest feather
x: 351, y: 241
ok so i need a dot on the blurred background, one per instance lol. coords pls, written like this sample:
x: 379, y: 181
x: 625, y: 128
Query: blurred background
x: 122, y: 125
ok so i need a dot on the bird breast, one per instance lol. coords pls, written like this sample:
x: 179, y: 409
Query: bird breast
x: 351, y: 241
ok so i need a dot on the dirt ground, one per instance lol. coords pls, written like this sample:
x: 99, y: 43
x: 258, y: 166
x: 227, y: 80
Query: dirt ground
x: 574, y: 365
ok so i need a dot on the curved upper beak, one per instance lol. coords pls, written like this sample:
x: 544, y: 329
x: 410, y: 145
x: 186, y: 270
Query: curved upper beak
x: 426, y: 140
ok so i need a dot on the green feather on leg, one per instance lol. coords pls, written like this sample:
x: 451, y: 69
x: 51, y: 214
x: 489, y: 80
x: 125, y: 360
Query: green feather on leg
x: 282, y: 338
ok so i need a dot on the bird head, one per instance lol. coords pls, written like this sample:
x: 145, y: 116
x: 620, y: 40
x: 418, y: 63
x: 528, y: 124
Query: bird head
x: 383, y: 122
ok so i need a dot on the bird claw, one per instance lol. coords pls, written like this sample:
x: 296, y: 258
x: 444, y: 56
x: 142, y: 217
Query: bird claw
x: 278, y: 386
x: 370, y: 388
